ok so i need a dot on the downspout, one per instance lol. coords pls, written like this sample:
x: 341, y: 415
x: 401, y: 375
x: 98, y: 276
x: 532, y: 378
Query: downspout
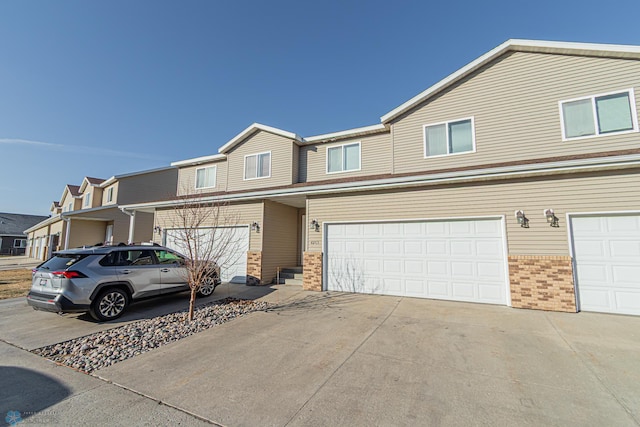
x: 132, y: 223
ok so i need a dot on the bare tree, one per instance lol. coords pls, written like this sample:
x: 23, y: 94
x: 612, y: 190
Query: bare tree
x: 206, y: 232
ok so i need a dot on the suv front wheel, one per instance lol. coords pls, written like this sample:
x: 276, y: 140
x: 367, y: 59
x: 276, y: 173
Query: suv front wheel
x: 109, y: 304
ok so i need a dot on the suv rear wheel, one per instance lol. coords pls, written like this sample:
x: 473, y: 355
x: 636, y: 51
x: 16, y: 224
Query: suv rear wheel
x: 109, y: 304
x: 207, y: 287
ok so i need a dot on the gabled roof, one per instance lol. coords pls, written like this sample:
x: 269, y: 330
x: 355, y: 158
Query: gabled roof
x: 74, y: 190
x: 15, y: 224
x: 254, y: 128
x: 94, y: 182
x: 516, y: 45
x: 349, y: 133
x: 115, y: 178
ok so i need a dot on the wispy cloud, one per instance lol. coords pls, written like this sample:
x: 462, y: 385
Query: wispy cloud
x: 79, y: 148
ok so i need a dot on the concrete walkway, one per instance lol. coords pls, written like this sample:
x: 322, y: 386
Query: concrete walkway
x: 345, y: 359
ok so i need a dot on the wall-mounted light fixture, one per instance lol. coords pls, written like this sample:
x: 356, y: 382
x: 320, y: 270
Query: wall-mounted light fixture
x: 522, y: 220
x: 255, y: 226
x: 157, y: 229
x: 552, y: 219
x: 314, y: 225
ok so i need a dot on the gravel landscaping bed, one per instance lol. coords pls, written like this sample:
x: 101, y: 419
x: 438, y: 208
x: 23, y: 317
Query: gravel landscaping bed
x: 105, y: 348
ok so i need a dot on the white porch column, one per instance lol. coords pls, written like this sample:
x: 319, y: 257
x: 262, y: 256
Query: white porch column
x: 132, y: 223
x: 67, y: 232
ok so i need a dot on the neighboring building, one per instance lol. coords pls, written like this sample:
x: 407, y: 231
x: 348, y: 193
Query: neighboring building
x: 13, y: 240
x: 90, y: 213
x: 513, y: 181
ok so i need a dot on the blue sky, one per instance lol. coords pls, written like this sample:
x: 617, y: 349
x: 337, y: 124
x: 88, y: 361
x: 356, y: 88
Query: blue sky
x: 100, y: 88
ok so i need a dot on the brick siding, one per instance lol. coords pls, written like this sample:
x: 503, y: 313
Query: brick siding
x: 312, y: 273
x: 254, y: 268
x: 542, y: 282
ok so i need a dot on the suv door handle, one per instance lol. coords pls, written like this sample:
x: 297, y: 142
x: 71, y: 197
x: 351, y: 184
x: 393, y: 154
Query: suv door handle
x: 125, y: 271
x: 165, y: 270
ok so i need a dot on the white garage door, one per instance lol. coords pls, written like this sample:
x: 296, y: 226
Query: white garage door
x: 454, y: 260
x: 233, y: 262
x: 607, y: 257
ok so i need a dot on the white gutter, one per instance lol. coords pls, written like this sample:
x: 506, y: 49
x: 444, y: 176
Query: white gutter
x: 504, y: 172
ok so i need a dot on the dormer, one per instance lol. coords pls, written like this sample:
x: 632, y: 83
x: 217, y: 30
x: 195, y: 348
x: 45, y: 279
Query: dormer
x: 91, y: 192
x: 261, y: 157
x: 55, y: 209
x: 71, y: 198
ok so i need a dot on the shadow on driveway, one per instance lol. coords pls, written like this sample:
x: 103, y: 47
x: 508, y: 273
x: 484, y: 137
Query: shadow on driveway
x: 27, y: 392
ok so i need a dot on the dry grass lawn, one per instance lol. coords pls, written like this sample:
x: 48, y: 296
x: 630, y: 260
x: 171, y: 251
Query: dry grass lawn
x: 15, y: 283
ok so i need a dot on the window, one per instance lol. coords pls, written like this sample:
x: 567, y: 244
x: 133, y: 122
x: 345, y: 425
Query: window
x: 166, y: 257
x: 343, y: 158
x: 70, y: 207
x: 599, y: 115
x: 87, y: 200
x: 20, y: 243
x: 206, y: 177
x: 257, y: 166
x: 442, y: 139
x: 109, y: 194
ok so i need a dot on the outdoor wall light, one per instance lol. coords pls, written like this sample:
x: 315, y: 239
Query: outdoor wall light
x: 552, y: 219
x: 522, y: 220
x: 255, y: 226
x: 157, y: 229
x: 314, y: 225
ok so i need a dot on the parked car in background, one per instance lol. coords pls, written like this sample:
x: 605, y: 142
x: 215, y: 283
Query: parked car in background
x: 104, y: 280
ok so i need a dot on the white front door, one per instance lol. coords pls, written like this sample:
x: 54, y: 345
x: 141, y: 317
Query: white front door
x: 232, y: 258
x: 607, y: 257
x: 461, y: 260
x: 108, y: 237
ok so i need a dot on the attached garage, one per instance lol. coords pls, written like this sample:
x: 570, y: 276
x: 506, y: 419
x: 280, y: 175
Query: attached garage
x: 606, y: 250
x: 459, y: 260
x: 233, y: 261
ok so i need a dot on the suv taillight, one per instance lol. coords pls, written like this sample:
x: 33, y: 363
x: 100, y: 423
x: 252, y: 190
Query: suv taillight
x: 68, y: 274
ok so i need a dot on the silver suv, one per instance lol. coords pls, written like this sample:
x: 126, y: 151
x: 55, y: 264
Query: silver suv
x: 103, y: 280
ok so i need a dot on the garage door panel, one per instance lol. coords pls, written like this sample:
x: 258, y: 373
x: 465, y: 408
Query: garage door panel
x: 463, y: 291
x: 625, y: 249
x: 607, y: 258
x: 462, y: 248
x: 430, y: 259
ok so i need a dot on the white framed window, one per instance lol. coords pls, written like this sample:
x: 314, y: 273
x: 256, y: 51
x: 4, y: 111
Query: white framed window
x: 596, y: 115
x: 109, y: 194
x: 257, y: 165
x: 447, y: 138
x: 20, y: 243
x: 206, y: 177
x: 343, y: 158
x: 70, y: 207
x: 87, y: 200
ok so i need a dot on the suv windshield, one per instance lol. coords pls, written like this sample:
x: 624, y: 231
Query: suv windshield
x: 61, y: 261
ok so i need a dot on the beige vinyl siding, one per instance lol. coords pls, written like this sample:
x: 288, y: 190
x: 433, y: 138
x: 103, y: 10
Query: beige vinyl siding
x: 96, y: 197
x: 586, y: 193
x: 514, y: 102
x: 148, y: 187
x: 375, y: 158
x: 241, y: 214
x: 187, y: 179
x: 281, y: 161
x: 86, y: 233
x: 115, y: 194
x: 280, y: 238
x: 295, y: 166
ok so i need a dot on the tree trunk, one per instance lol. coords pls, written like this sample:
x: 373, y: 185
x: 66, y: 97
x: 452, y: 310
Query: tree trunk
x: 192, y: 303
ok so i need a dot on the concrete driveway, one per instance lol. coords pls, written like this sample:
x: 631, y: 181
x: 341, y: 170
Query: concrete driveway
x: 345, y: 359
